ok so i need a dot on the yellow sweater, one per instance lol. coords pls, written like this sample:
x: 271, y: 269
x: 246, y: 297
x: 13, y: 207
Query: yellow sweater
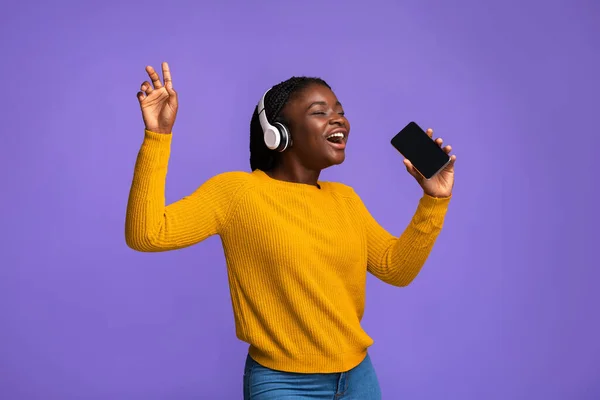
x: 297, y: 256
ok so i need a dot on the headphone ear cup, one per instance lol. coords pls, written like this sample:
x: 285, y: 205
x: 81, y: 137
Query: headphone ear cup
x: 272, y: 137
x: 286, y: 139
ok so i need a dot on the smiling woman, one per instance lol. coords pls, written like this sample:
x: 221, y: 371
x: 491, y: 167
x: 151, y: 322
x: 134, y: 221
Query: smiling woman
x: 298, y: 292
x: 305, y: 105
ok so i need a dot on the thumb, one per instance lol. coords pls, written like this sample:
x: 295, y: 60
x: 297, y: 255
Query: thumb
x: 172, y: 93
x: 410, y: 168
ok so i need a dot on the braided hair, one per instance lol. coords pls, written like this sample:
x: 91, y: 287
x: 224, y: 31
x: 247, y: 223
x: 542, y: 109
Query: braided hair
x: 261, y: 157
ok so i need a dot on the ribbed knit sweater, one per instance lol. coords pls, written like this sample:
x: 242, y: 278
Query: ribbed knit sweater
x: 297, y: 255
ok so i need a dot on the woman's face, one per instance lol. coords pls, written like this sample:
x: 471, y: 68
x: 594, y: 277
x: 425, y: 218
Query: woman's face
x: 318, y: 127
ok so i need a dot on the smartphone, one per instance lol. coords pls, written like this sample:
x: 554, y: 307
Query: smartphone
x: 422, y: 151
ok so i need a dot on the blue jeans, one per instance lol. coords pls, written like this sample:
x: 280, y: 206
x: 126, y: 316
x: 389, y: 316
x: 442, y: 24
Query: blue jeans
x: 262, y: 383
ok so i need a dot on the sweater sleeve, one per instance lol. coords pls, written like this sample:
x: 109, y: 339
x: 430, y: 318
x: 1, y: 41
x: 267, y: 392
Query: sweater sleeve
x: 152, y: 226
x: 398, y: 260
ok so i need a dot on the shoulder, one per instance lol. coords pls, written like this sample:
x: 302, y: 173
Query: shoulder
x: 239, y: 177
x: 341, y: 189
x: 231, y: 184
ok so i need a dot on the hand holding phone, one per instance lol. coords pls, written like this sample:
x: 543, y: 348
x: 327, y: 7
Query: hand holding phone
x: 426, y: 156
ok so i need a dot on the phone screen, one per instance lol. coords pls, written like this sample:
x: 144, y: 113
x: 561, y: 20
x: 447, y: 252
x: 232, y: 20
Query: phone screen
x: 422, y: 151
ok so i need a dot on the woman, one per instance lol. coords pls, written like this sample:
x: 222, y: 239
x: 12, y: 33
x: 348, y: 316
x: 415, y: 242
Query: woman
x: 297, y: 249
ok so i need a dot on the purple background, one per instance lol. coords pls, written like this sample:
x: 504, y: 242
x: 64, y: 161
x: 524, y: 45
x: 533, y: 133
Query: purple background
x: 507, y: 305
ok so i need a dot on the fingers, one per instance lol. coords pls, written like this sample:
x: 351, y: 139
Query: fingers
x: 169, y: 84
x: 154, y: 77
x: 440, y: 141
x: 447, y: 149
x: 167, y: 75
x: 147, y: 88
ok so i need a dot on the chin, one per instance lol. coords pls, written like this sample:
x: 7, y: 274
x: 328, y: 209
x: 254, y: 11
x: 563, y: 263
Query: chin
x: 335, y: 160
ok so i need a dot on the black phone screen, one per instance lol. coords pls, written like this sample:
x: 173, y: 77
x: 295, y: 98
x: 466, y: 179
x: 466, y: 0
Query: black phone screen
x: 422, y: 151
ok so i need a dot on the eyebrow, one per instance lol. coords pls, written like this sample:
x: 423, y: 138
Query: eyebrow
x: 321, y: 103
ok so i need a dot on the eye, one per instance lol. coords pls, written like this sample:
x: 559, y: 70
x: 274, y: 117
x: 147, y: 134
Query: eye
x: 319, y: 113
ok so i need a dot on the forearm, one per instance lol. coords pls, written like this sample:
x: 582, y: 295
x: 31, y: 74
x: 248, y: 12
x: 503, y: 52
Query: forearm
x: 402, y: 258
x: 145, y: 220
x: 151, y: 225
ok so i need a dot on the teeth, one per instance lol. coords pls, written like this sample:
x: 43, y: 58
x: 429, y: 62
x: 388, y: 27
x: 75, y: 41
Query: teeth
x: 336, y: 135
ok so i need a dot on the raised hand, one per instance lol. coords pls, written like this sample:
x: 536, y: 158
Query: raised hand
x: 440, y: 185
x: 158, y: 101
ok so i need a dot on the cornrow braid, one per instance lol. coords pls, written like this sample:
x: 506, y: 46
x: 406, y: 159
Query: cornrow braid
x: 261, y: 157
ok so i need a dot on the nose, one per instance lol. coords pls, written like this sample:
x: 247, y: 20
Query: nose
x: 337, y: 119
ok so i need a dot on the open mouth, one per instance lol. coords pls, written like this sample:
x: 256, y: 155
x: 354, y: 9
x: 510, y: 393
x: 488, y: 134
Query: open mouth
x: 337, y: 139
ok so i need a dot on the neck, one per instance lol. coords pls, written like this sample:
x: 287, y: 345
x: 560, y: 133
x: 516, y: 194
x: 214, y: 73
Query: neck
x: 291, y: 171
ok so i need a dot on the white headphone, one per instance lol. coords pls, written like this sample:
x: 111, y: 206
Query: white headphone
x: 277, y: 136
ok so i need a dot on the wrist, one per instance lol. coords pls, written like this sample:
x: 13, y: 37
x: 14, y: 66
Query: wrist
x: 437, y: 195
x: 160, y: 131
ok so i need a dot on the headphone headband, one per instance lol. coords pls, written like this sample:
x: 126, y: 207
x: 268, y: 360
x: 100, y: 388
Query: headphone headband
x: 262, y: 113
